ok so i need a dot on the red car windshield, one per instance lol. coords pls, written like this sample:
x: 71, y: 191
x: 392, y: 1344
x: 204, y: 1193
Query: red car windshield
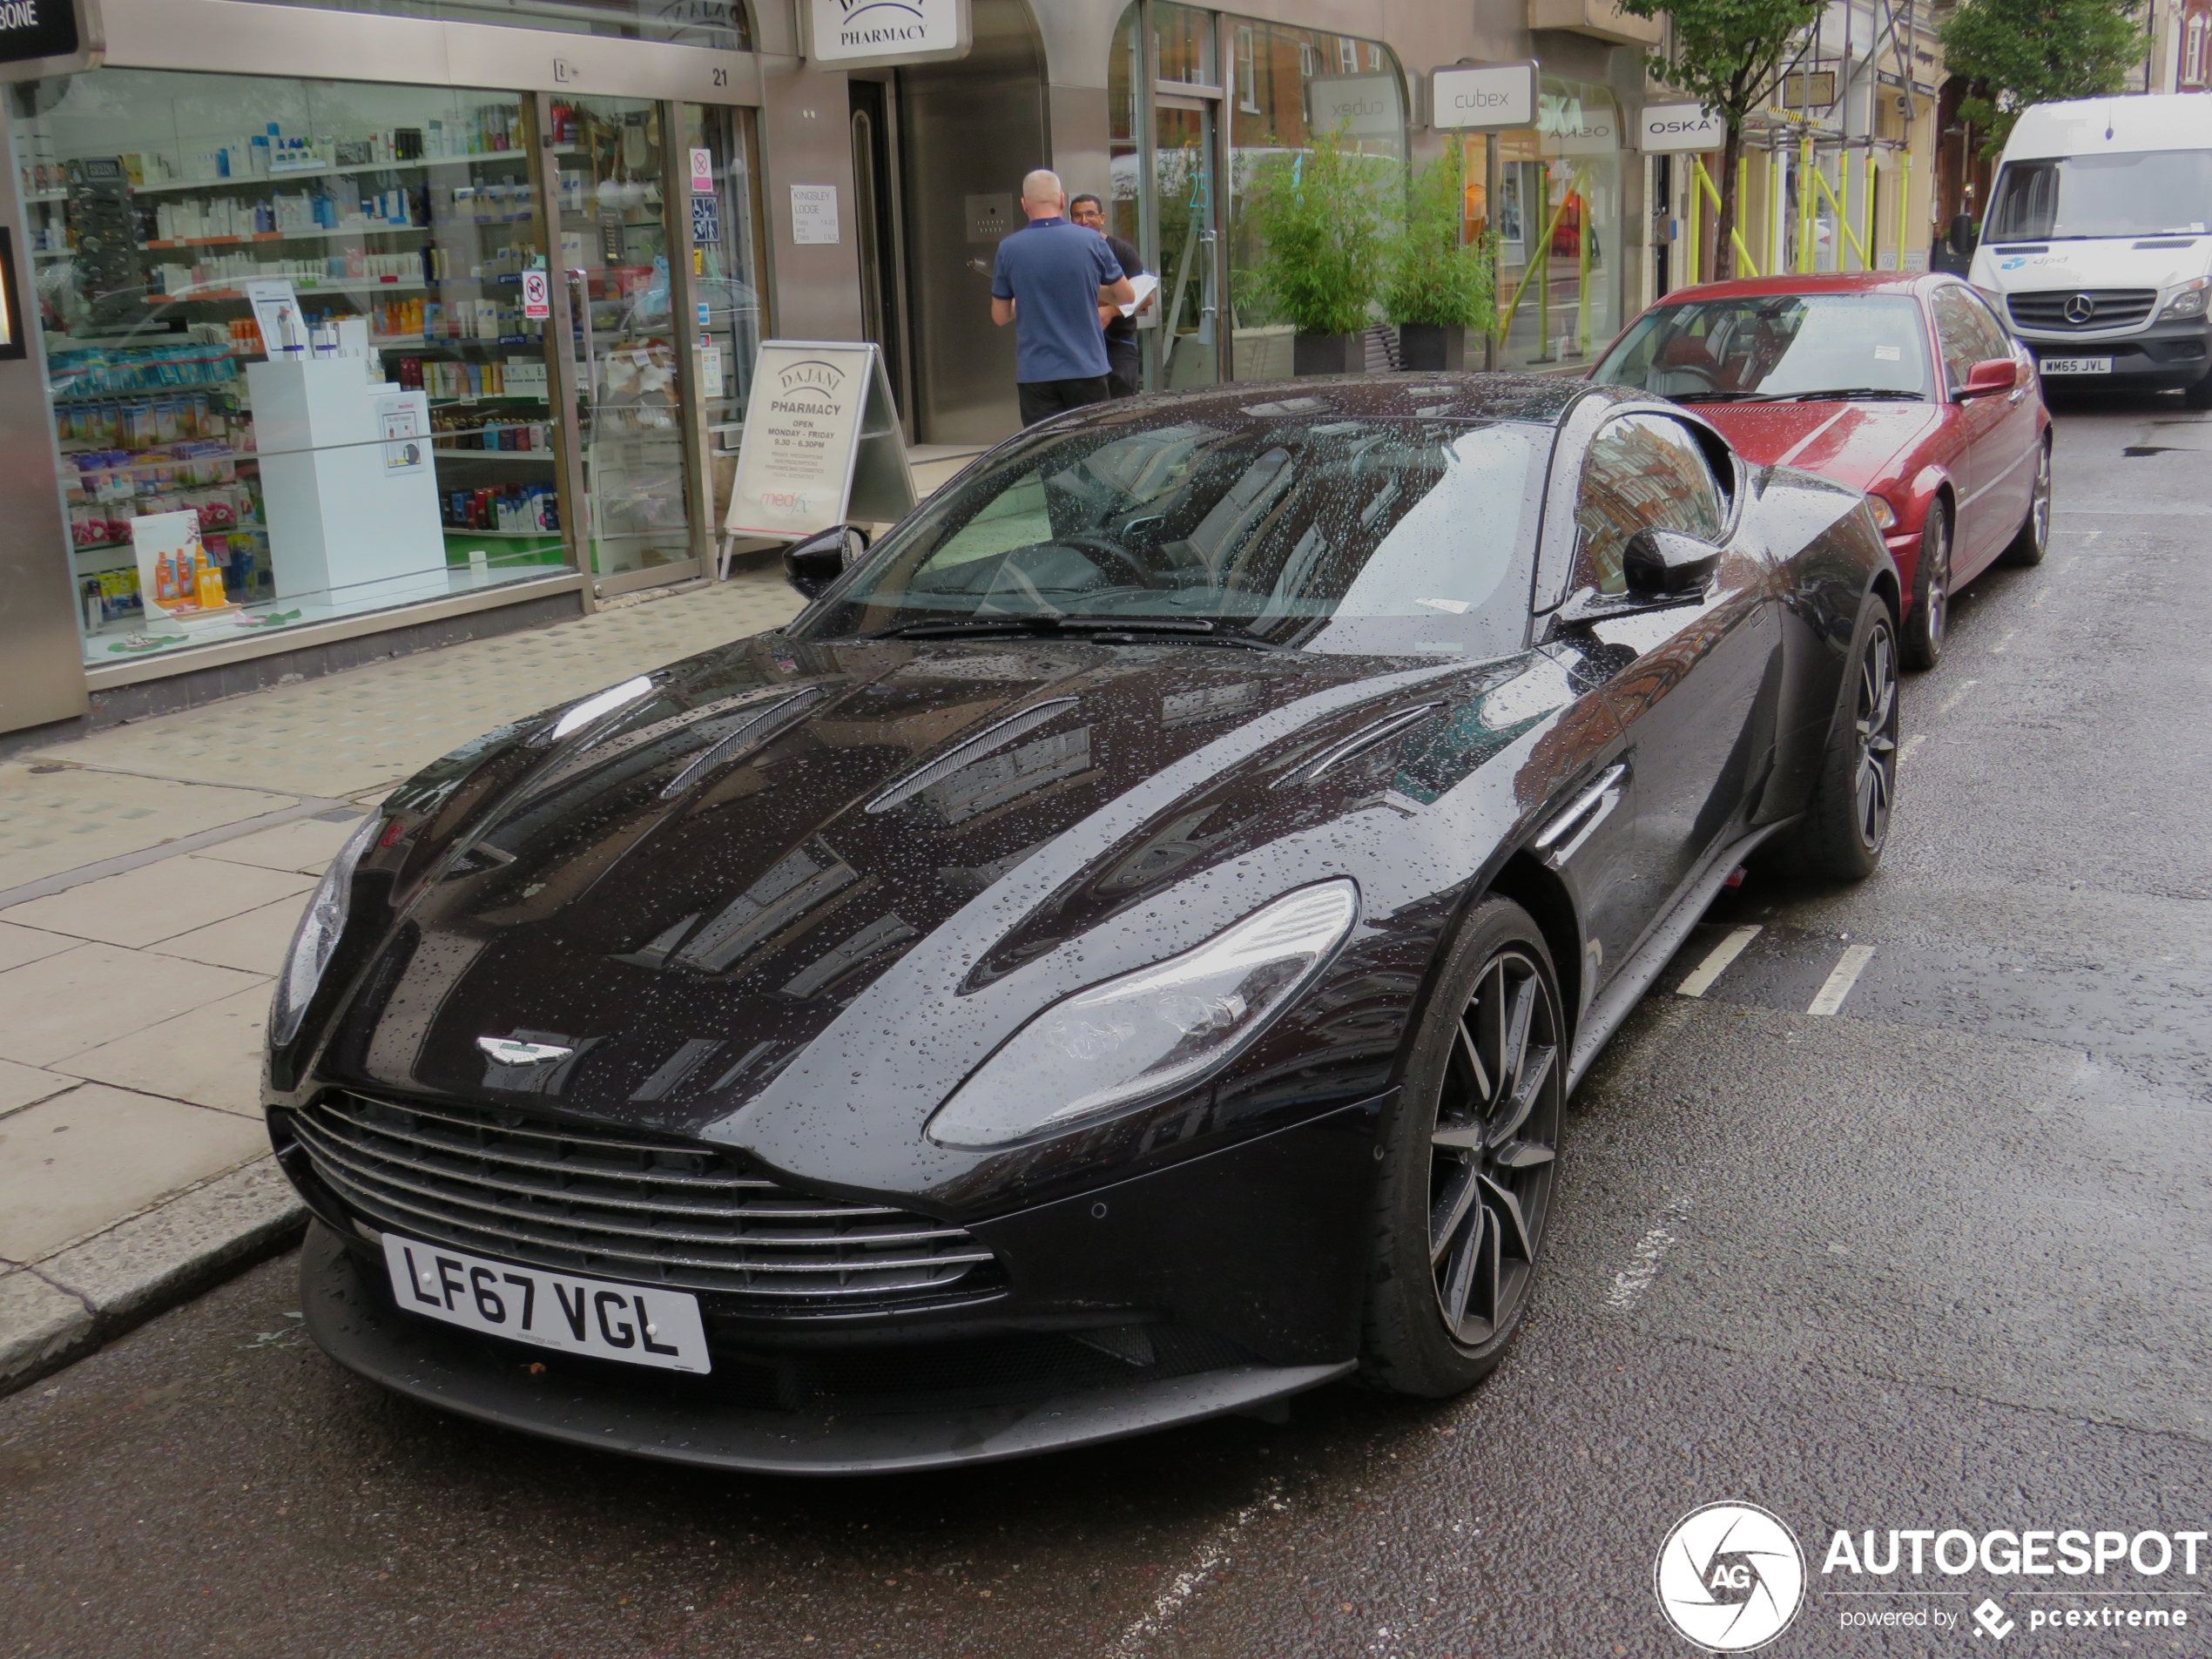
x: 1766, y: 348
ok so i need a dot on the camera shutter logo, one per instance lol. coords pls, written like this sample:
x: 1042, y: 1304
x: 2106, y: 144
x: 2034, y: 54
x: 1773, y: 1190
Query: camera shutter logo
x: 1729, y: 1577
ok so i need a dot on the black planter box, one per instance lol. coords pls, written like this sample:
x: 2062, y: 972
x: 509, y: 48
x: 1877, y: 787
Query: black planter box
x: 1432, y: 345
x: 1329, y: 355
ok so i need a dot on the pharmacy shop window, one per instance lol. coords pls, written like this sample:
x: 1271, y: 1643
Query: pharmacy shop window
x: 295, y: 369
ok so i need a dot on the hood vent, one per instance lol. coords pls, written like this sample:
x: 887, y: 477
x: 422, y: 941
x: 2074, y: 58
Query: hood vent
x: 989, y: 739
x: 1359, y: 743
x: 754, y: 728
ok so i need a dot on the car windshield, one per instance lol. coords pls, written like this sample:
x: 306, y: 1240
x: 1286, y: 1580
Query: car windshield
x: 1347, y: 536
x: 2149, y: 192
x: 1767, y: 346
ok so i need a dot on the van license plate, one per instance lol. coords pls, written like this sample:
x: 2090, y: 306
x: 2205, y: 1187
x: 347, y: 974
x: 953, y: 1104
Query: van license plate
x: 2077, y: 365
x: 638, y: 1324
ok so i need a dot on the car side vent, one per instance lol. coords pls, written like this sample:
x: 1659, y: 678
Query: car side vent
x: 989, y: 739
x: 1368, y: 736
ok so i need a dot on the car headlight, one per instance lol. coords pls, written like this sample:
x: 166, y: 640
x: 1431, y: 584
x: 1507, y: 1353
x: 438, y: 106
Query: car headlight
x: 2189, y: 302
x: 1151, y: 1032
x: 318, y: 935
x: 1884, y: 514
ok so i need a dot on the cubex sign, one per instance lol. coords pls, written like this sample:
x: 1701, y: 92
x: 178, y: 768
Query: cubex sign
x: 1499, y: 97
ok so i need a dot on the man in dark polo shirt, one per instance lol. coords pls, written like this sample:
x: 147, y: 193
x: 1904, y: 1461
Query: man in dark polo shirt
x: 1124, y: 361
x: 1050, y: 279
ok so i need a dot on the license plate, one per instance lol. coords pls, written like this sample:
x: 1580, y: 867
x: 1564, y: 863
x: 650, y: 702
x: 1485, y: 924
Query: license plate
x: 637, y: 1324
x: 2077, y: 365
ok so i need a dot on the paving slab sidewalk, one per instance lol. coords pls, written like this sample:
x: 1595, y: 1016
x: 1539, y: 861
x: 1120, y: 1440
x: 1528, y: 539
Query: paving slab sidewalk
x: 150, y: 879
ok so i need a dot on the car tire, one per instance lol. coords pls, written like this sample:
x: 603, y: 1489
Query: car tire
x: 1469, y: 1163
x: 1843, y: 830
x: 2199, y: 395
x: 2028, y: 548
x: 1926, y: 626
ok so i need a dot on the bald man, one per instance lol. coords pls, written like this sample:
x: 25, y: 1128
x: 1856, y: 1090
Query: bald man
x: 1050, y: 279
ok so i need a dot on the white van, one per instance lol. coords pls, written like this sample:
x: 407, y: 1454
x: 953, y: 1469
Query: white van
x: 2098, y: 240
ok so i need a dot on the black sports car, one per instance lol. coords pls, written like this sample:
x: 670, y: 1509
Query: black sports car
x: 1119, y: 956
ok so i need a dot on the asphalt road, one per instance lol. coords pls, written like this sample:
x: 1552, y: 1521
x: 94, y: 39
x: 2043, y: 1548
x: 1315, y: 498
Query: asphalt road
x: 1936, y: 1259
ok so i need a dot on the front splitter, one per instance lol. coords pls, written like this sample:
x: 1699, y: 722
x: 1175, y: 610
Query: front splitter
x: 415, y: 1358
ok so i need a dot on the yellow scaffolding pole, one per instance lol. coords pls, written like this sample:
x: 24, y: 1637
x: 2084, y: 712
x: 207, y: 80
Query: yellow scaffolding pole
x: 1903, y: 202
x: 1873, y: 255
x: 1771, y: 219
x: 1543, y: 262
x: 1844, y: 232
x: 1705, y: 186
x: 1691, y: 229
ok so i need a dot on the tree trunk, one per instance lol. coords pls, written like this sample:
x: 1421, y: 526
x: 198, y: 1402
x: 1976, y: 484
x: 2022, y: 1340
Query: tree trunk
x: 1723, y: 265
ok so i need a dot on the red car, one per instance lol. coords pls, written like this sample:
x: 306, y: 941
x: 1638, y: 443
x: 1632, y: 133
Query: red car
x: 1908, y: 387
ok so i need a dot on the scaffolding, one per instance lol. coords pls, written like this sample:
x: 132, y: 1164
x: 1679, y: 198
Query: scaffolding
x: 1825, y: 154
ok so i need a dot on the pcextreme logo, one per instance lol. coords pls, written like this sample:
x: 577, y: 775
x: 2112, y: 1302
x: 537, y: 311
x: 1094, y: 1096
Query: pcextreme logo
x: 1729, y: 1577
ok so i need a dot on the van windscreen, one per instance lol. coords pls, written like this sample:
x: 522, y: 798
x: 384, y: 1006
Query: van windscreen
x: 2149, y: 192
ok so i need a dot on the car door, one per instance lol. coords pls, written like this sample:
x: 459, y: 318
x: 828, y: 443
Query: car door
x: 1693, y: 683
x: 2014, y: 438
x: 1964, y: 336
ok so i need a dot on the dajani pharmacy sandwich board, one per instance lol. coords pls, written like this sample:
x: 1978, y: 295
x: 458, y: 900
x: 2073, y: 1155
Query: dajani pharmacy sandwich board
x: 821, y: 445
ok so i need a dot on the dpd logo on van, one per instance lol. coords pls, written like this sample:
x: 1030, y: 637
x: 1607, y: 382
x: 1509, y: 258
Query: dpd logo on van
x: 1729, y: 1577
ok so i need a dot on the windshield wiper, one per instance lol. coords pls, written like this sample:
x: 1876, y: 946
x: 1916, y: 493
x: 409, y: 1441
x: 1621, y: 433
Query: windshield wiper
x: 1716, y: 395
x: 1196, y: 631
x: 1845, y: 394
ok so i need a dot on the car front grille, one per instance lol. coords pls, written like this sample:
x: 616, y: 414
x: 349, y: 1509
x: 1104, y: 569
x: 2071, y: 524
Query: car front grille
x: 2111, y: 308
x: 586, y: 1200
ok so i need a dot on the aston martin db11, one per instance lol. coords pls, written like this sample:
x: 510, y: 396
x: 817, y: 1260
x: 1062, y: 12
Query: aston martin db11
x: 1119, y: 956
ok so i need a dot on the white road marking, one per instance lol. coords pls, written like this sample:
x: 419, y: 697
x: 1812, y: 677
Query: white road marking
x: 1213, y: 1555
x: 1643, y: 1261
x: 1715, y: 963
x: 1958, y: 691
x: 1905, y: 750
x: 1846, y: 973
x: 1998, y: 650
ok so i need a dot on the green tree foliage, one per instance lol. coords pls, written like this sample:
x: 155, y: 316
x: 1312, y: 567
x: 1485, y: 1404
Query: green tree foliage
x: 2019, y: 52
x: 1728, y: 55
x: 1430, y: 275
x: 1319, y: 213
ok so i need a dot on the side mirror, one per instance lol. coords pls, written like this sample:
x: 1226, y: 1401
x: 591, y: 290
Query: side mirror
x: 1662, y: 562
x: 1962, y: 236
x: 1998, y: 374
x: 812, y: 564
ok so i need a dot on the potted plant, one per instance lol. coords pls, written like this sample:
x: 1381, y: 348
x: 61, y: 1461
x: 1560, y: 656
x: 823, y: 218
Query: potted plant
x: 1436, y: 288
x: 1321, y: 262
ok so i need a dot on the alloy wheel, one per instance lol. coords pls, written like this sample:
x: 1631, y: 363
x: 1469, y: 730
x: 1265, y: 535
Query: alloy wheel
x: 1493, y: 1149
x: 2039, y: 511
x: 1874, y: 764
x: 1937, y: 597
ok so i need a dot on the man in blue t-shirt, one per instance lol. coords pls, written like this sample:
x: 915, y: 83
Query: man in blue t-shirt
x: 1050, y: 279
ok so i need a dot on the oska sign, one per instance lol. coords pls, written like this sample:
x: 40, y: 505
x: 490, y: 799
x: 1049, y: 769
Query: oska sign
x: 854, y: 34
x: 48, y: 38
x: 1669, y: 127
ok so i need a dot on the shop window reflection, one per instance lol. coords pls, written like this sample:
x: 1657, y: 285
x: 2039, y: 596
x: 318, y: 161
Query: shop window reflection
x: 718, y: 24
x: 1559, y: 228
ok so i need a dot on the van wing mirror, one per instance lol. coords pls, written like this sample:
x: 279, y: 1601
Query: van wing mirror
x: 812, y: 564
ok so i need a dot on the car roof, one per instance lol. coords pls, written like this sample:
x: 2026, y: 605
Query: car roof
x: 1844, y: 282
x: 1410, y: 394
